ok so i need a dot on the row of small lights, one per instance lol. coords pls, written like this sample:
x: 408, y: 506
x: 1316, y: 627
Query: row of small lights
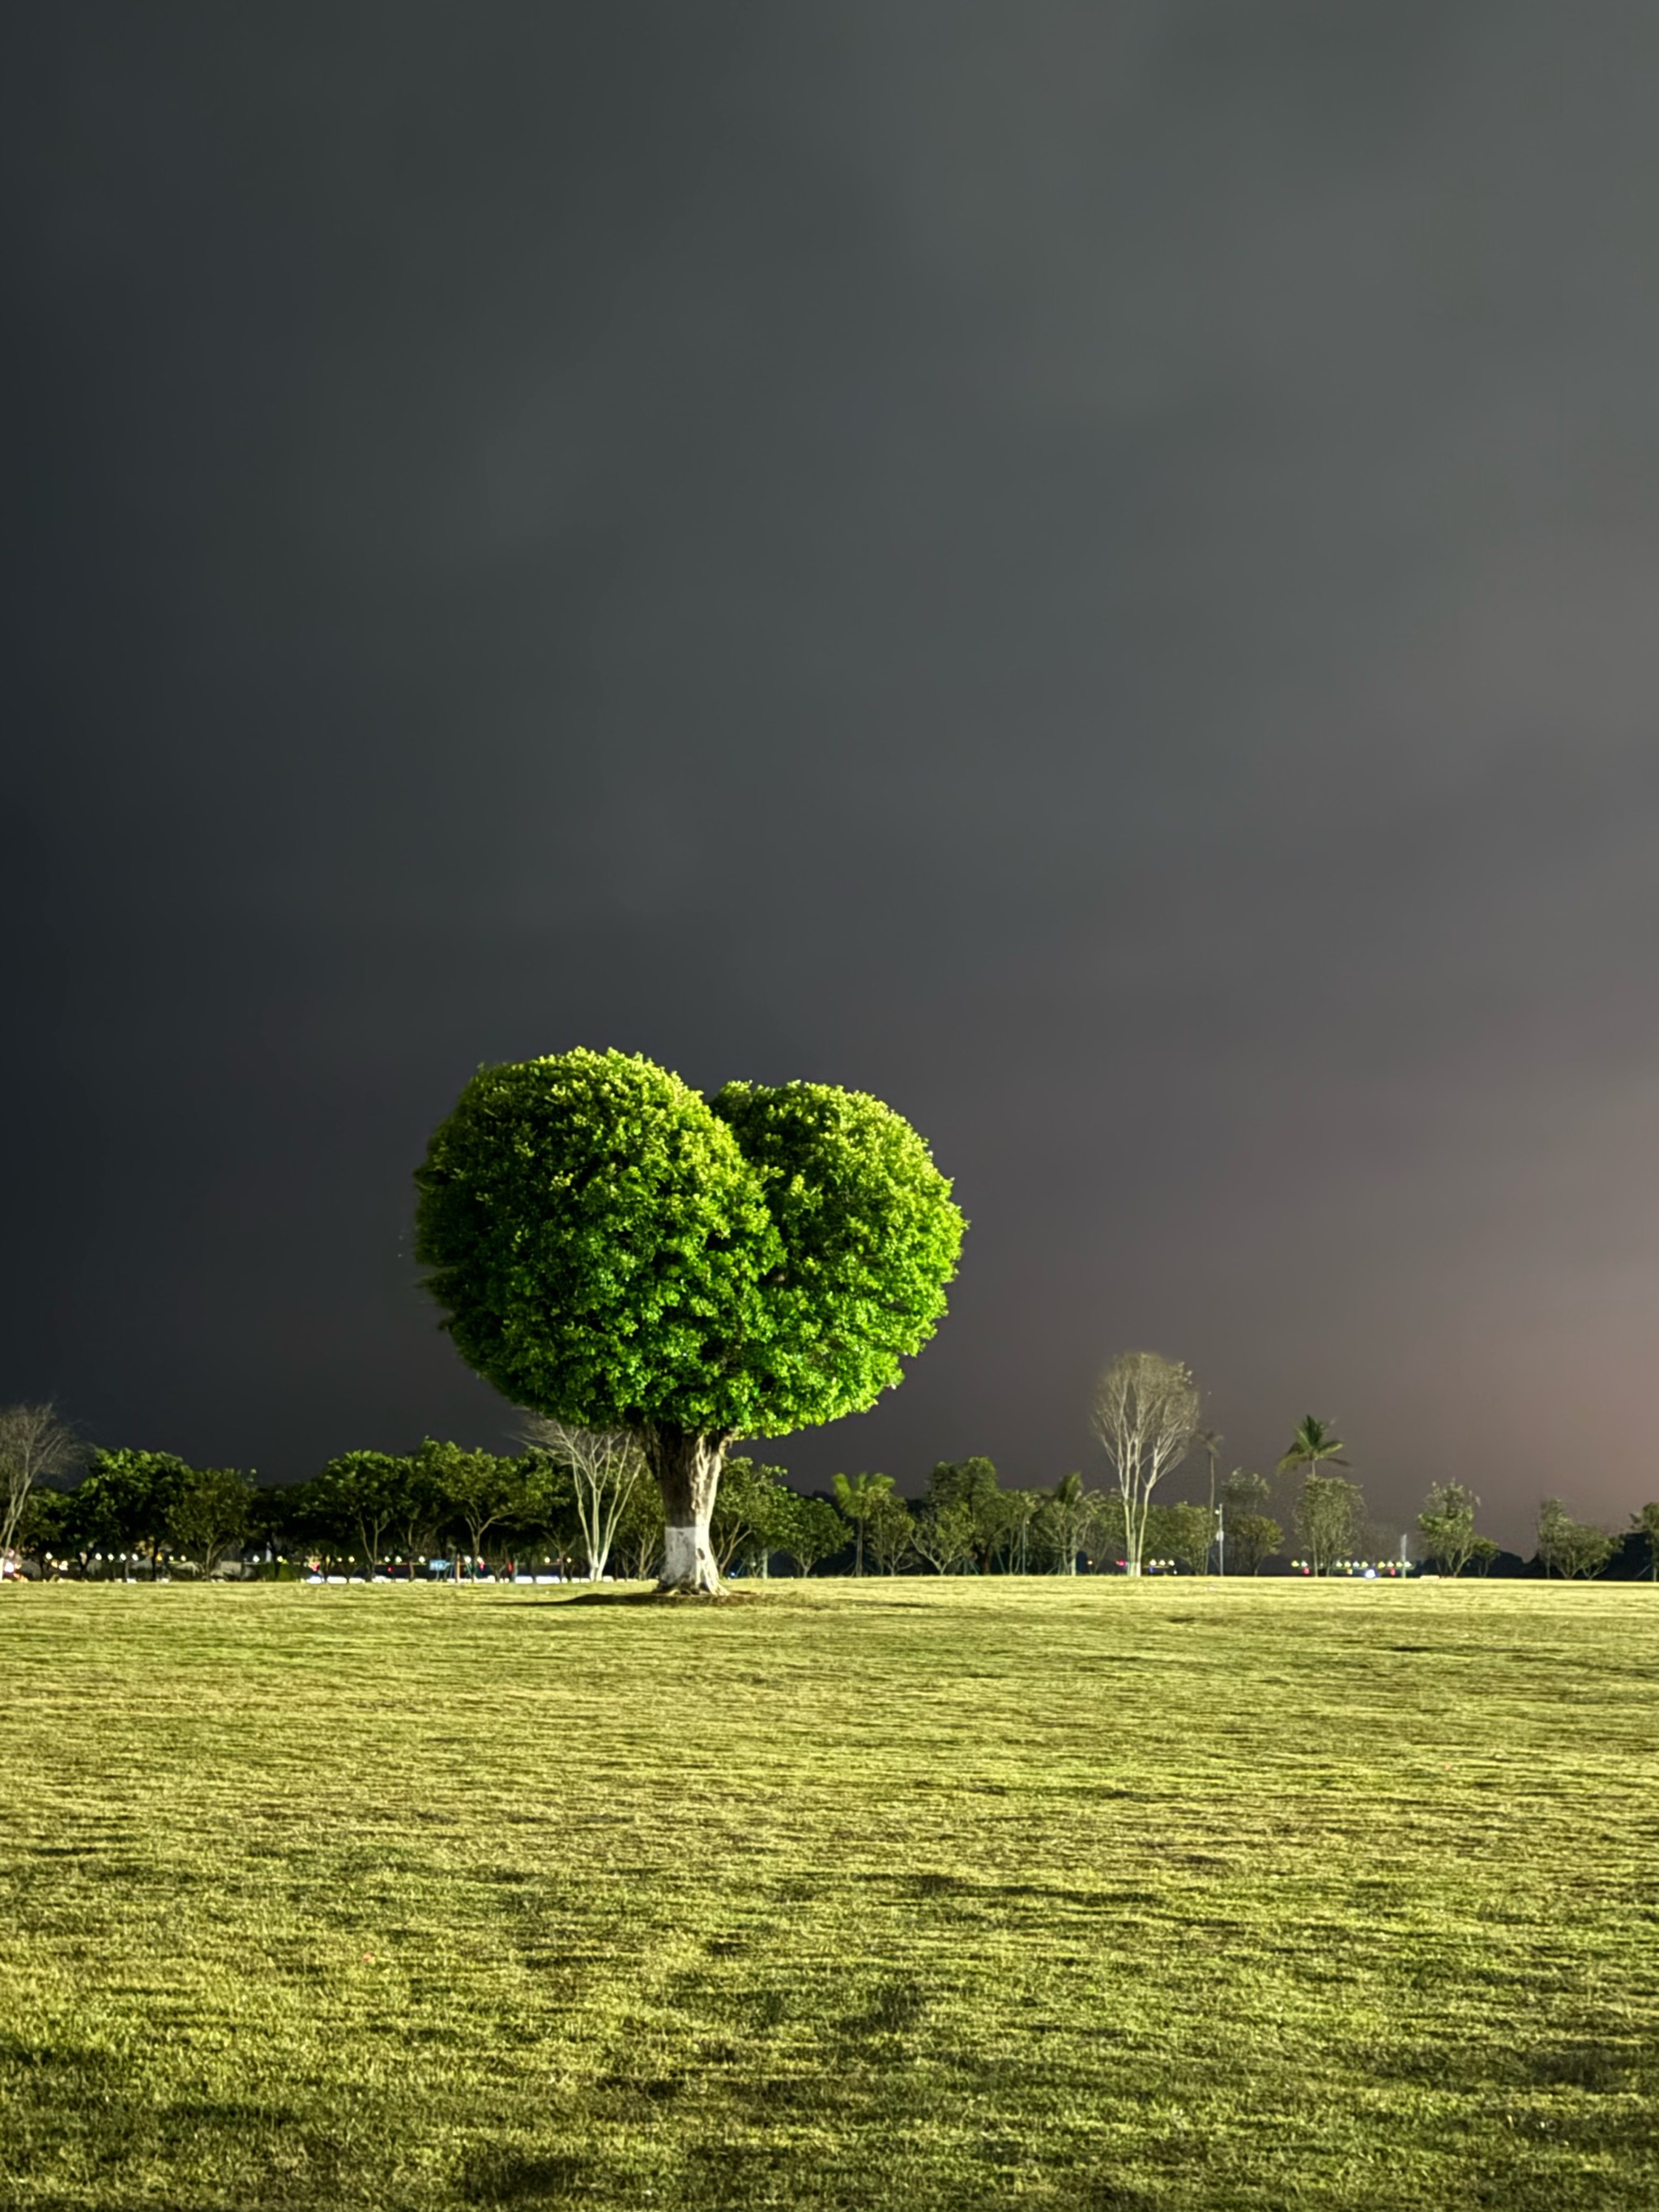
x: 139, y: 1558
x: 1370, y: 1569
x: 1305, y: 1566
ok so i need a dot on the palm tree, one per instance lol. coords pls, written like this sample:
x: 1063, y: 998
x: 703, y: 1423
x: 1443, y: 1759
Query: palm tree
x: 1067, y: 1510
x: 1315, y: 1442
x: 856, y: 1496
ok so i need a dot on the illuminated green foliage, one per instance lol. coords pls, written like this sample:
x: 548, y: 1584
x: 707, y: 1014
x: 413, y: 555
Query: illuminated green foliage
x: 869, y: 1237
x: 611, y: 1249
x: 126, y: 1500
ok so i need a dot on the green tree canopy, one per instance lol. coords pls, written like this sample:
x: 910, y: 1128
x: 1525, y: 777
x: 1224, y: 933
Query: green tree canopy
x: 1019, y: 1514
x: 611, y: 1249
x: 859, y: 1498
x: 599, y: 1243
x: 888, y: 1532
x: 209, y: 1514
x: 479, y: 1491
x: 39, y: 1527
x: 810, y: 1529
x: 1187, y: 1533
x: 637, y: 1547
x: 1646, y: 1523
x: 750, y: 1513
x: 972, y: 1483
x: 1568, y: 1547
x: 125, y: 1501
x: 1252, y: 1537
x: 1248, y: 1534
x: 362, y: 1497
x: 1446, y: 1526
x: 943, y: 1535
x: 1329, y: 1516
x: 1072, y: 1517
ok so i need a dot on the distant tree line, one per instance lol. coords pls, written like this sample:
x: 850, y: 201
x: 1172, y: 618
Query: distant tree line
x: 581, y: 1503
x: 576, y: 1503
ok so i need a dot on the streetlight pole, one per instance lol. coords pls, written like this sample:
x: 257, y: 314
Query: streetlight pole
x: 1209, y: 1441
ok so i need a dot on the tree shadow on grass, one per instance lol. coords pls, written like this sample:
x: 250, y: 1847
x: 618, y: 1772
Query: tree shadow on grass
x: 640, y: 1600
x: 510, y: 2177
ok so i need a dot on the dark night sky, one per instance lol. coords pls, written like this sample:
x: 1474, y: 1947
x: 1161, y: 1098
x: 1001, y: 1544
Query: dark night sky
x: 1089, y: 569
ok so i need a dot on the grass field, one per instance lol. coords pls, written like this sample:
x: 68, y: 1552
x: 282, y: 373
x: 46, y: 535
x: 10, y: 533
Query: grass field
x: 909, y: 1893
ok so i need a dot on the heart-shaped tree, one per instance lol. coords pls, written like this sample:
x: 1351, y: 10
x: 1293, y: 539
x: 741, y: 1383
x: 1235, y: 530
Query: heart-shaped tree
x: 614, y: 1251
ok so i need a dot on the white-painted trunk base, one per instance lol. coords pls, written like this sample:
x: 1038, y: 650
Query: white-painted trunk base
x: 687, y: 1561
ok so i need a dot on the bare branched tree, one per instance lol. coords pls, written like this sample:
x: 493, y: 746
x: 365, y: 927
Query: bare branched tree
x: 36, y: 1443
x: 1145, y: 1413
x: 603, y: 1466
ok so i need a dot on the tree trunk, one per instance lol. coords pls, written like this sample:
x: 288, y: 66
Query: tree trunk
x: 687, y: 1464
